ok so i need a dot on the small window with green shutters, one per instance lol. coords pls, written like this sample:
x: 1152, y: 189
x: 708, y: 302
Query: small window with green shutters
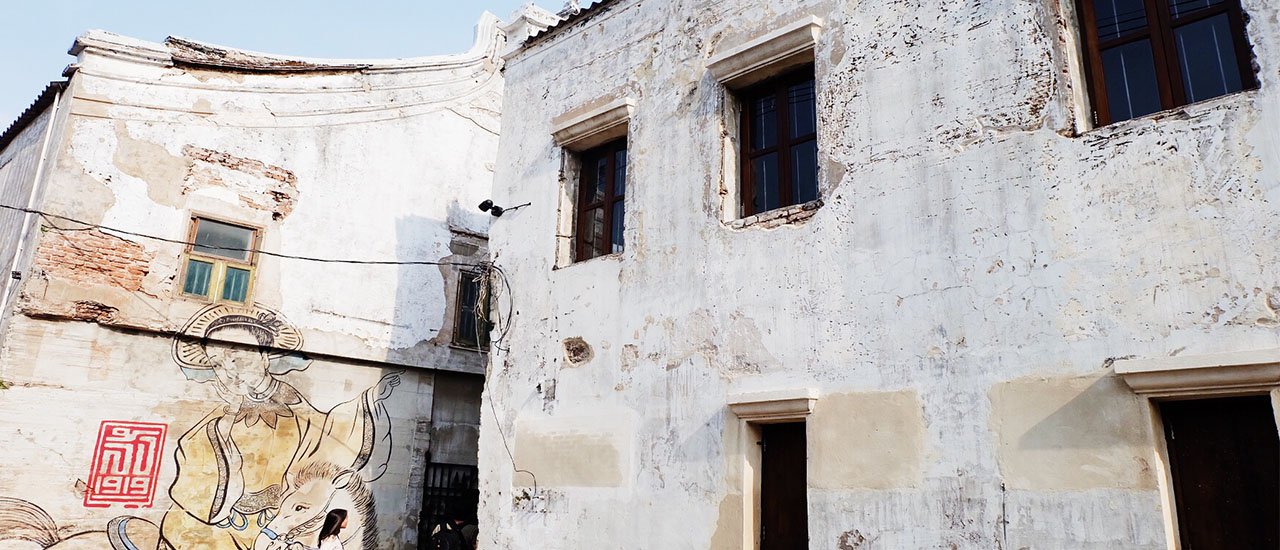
x: 219, y: 261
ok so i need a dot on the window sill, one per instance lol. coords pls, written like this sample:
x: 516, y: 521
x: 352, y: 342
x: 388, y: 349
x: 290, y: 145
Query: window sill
x: 462, y: 347
x: 616, y: 256
x: 783, y: 216
x: 205, y: 300
x: 1185, y: 112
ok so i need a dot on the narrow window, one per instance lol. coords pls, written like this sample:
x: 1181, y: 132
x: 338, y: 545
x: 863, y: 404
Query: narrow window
x: 472, y: 327
x: 784, y: 516
x: 779, y: 143
x: 1145, y: 56
x: 219, y: 261
x: 1224, y: 456
x: 601, y: 192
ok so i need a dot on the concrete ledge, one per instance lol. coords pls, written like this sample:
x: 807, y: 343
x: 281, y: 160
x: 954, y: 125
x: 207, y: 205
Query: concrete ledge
x: 1222, y: 373
x: 774, y: 406
x: 788, y: 215
x: 595, y: 127
x: 767, y: 55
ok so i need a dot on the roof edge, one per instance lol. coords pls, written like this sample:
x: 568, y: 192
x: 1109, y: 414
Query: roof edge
x: 184, y: 51
x: 38, y: 106
x: 569, y: 18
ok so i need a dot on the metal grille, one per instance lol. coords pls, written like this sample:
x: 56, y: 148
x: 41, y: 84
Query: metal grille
x: 447, y: 487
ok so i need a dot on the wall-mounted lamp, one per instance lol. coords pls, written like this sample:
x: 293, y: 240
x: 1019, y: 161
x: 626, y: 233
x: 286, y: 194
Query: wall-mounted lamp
x: 498, y: 211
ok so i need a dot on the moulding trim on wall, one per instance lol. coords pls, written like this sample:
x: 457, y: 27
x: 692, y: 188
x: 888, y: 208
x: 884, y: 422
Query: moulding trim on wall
x: 1222, y: 373
x: 595, y: 127
x: 762, y: 57
x: 774, y: 406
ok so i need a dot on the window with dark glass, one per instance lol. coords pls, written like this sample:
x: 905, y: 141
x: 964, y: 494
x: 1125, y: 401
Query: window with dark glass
x: 1145, y: 56
x: 219, y: 261
x: 472, y: 327
x: 601, y: 192
x: 779, y: 143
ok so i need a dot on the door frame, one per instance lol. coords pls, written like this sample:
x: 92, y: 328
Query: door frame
x: 752, y: 411
x: 1232, y: 374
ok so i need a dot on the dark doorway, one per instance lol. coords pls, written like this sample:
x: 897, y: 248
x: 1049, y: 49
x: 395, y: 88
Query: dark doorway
x: 448, y: 490
x: 784, y: 508
x: 1224, y: 455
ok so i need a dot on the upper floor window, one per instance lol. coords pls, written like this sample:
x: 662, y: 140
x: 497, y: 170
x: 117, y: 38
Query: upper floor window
x: 219, y: 261
x: 601, y: 198
x: 1145, y: 56
x: 779, y: 143
x: 472, y: 327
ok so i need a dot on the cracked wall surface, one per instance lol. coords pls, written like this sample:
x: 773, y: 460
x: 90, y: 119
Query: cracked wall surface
x: 328, y: 383
x: 979, y: 246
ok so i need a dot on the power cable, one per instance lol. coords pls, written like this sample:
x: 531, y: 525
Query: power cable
x: 490, y: 271
x: 89, y: 225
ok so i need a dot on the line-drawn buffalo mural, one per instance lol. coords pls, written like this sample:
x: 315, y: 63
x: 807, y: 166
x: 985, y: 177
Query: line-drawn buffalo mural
x: 258, y: 472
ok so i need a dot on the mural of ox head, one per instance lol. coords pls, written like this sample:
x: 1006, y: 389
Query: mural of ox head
x: 309, y: 494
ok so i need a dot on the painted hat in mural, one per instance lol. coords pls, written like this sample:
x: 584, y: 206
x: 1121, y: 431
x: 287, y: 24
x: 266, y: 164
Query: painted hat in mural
x: 271, y: 330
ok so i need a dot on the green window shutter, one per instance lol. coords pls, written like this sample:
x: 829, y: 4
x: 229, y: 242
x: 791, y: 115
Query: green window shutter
x: 198, y: 275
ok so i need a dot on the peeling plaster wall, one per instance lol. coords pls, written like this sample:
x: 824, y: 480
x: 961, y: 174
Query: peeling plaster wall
x: 384, y: 165
x: 980, y: 250
x: 384, y: 161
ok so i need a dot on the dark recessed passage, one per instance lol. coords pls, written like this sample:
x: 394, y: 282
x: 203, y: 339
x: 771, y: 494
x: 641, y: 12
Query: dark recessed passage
x: 1224, y: 455
x: 784, y: 515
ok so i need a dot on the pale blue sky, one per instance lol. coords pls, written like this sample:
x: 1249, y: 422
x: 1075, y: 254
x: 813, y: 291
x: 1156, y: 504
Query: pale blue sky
x: 35, y: 34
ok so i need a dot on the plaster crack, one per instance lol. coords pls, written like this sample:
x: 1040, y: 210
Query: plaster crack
x: 472, y: 119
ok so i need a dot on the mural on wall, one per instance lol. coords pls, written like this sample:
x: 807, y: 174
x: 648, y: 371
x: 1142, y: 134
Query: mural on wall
x: 126, y: 464
x: 259, y: 471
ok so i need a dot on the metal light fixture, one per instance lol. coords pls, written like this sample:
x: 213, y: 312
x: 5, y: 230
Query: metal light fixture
x: 497, y: 211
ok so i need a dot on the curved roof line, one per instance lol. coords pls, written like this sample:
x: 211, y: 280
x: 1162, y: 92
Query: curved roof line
x: 183, y: 51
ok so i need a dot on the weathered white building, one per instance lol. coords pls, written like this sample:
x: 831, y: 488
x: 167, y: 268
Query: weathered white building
x: 1034, y: 237
x: 177, y: 369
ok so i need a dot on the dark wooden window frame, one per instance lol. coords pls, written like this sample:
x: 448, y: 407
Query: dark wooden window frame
x: 478, y: 340
x: 1159, y: 29
x: 779, y: 86
x: 588, y: 157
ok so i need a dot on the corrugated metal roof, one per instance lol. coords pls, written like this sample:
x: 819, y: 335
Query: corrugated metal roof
x: 583, y: 14
x: 38, y: 106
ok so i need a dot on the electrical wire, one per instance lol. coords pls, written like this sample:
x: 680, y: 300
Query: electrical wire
x: 486, y: 296
x: 48, y: 217
x: 489, y: 272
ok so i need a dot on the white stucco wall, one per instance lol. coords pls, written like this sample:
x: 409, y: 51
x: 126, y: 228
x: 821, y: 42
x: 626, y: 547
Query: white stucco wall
x: 384, y: 160
x: 980, y: 259
x: 363, y: 160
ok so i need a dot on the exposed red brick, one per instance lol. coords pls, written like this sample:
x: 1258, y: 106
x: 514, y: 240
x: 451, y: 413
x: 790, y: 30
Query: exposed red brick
x: 88, y: 310
x: 281, y: 195
x: 92, y: 257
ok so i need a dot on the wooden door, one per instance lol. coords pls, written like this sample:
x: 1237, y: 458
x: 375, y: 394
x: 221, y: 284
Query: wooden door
x: 784, y: 505
x: 1224, y: 455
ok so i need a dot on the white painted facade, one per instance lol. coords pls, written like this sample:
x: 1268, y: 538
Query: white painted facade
x: 982, y: 258
x: 378, y: 160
